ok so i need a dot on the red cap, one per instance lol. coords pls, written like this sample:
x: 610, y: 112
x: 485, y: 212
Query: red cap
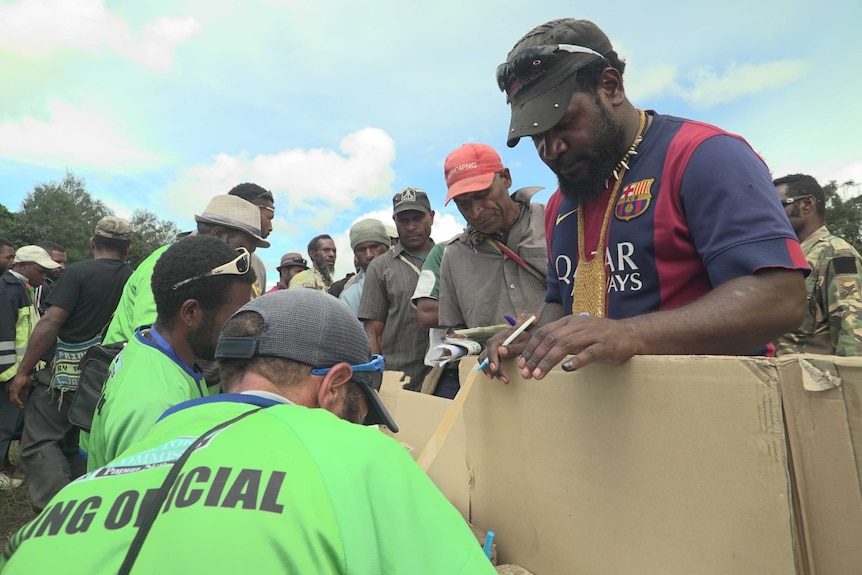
x: 470, y: 168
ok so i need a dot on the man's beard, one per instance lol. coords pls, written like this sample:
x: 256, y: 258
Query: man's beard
x: 327, y: 271
x: 201, y: 338
x: 608, y: 148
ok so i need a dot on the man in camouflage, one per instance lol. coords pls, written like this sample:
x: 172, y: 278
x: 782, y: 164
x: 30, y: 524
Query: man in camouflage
x: 833, y: 325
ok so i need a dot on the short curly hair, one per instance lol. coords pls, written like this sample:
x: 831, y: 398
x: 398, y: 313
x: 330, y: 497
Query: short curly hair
x: 314, y: 244
x: 804, y: 185
x: 251, y: 192
x: 50, y: 246
x: 589, y: 76
x: 117, y: 246
x: 283, y: 373
x: 189, y: 257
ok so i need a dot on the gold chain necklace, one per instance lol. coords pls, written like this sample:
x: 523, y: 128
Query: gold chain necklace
x: 590, y: 285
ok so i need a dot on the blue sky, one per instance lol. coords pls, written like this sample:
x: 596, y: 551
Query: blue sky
x: 334, y: 106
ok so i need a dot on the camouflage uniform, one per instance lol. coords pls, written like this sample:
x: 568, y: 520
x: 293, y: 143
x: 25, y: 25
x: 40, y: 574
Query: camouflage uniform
x: 833, y: 324
x: 310, y: 279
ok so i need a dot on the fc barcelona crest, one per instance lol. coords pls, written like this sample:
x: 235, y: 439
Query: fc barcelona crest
x: 634, y: 200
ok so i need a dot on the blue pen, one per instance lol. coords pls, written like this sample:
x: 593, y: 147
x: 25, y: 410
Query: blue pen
x: 509, y: 319
x: 489, y: 541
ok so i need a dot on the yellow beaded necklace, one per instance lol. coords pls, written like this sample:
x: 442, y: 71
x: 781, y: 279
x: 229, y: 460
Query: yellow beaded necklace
x: 590, y: 286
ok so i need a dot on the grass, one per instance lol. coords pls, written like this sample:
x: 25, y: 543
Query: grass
x: 15, y: 508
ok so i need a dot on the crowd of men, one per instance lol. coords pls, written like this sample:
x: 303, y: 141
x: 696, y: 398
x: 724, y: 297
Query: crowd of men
x: 665, y: 236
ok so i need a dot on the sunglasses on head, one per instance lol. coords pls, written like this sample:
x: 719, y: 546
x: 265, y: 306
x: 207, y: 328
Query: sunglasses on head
x: 237, y: 267
x: 375, y: 366
x: 529, y: 64
x: 788, y: 201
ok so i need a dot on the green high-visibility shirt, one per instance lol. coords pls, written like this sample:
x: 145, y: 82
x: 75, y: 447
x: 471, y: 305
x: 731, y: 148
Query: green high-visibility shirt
x: 137, y: 306
x: 285, y: 490
x: 145, y: 380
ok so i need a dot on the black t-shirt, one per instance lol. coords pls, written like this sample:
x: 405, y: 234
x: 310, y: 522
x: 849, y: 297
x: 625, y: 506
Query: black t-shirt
x: 338, y: 287
x: 89, y: 291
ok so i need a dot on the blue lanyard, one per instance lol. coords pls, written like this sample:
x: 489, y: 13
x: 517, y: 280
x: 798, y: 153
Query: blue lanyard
x: 246, y: 398
x: 162, y: 345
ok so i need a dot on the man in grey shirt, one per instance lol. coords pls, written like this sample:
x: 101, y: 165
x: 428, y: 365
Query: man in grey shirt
x: 390, y: 321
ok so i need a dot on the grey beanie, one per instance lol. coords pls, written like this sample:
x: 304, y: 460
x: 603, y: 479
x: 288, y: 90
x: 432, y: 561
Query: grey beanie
x: 368, y: 230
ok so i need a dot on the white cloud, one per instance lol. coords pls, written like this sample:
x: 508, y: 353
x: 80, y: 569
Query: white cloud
x: 445, y: 226
x: 655, y: 81
x: 704, y: 87
x: 314, y: 184
x: 709, y: 88
x: 71, y: 136
x: 843, y: 173
x: 41, y: 27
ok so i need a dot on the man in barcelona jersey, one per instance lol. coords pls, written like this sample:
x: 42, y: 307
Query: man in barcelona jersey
x: 665, y: 236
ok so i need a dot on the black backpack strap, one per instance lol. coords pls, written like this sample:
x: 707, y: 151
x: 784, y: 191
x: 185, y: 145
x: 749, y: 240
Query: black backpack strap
x: 150, y: 509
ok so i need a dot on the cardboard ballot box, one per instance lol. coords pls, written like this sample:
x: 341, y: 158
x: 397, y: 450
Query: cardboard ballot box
x: 666, y: 464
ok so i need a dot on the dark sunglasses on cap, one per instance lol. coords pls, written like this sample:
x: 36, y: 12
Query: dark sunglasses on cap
x: 237, y: 267
x: 375, y: 366
x: 529, y: 64
x: 294, y: 262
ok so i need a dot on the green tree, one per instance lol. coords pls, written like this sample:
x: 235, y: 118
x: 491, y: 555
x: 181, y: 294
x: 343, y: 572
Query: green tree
x: 63, y: 212
x: 8, y: 224
x: 66, y: 213
x: 148, y: 234
x: 844, y: 211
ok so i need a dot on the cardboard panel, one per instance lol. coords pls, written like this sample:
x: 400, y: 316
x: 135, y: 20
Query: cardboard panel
x: 417, y: 416
x: 390, y: 390
x: 825, y: 433
x: 661, y: 465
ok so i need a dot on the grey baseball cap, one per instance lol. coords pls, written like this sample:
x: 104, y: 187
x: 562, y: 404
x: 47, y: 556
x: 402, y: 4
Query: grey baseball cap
x: 314, y: 328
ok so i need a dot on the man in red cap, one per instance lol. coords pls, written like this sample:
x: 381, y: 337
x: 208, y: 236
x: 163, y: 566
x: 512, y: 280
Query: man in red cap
x: 503, y: 247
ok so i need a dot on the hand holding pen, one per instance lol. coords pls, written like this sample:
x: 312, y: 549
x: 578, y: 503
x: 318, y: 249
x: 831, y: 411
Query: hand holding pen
x: 507, y: 343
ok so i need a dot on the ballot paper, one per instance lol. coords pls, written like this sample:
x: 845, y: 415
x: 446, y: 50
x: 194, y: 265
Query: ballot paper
x: 468, y: 341
x: 450, y: 349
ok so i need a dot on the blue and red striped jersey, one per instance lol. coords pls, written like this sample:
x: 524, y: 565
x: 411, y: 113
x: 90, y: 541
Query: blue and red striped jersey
x: 696, y: 209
